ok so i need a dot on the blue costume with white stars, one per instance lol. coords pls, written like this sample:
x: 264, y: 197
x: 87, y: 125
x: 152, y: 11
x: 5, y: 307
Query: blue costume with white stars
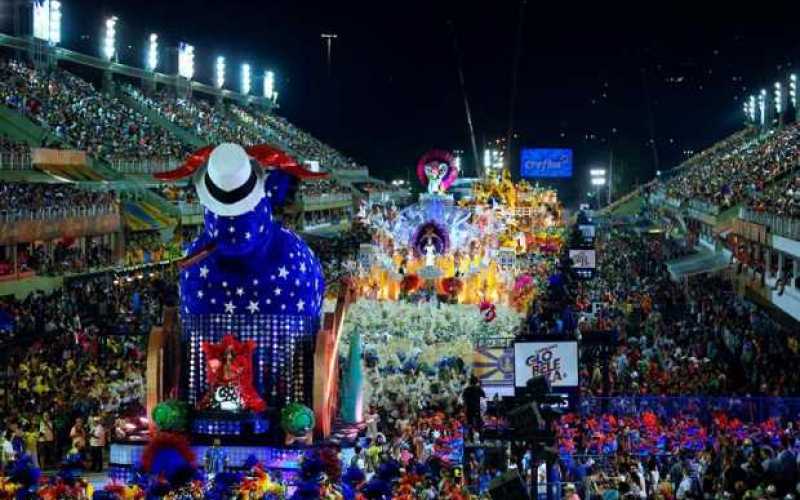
x: 275, y: 273
x: 260, y: 282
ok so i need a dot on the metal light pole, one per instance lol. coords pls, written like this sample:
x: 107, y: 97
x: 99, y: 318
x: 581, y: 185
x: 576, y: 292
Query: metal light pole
x: 329, y: 38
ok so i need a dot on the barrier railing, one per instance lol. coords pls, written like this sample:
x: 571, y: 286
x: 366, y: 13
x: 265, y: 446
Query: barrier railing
x: 139, y: 166
x: 324, y: 198
x: 19, y: 214
x: 746, y: 409
x: 15, y: 161
x: 787, y: 227
x: 703, y: 206
x: 190, y: 208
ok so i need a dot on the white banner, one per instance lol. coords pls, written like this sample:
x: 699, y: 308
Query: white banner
x: 558, y: 361
x: 582, y: 259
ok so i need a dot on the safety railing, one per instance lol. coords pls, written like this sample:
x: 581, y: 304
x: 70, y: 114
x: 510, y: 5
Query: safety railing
x: 53, y: 213
x: 190, y: 208
x: 144, y: 166
x: 788, y: 227
x: 705, y: 207
x: 323, y: 200
x: 15, y: 161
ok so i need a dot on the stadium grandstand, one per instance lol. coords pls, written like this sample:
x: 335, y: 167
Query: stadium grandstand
x: 185, y: 314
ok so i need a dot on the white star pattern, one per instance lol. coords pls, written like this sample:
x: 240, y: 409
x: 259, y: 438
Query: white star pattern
x: 277, y: 291
x: 240, y: 291
x: 199, y: 294
x: 296, y: 282
x: 229, y: 307
x: 231, y: 229
x: 300, y: 305
x: 283, y: 307
x: 247, y: 235
x: 268, y: 301
x: 302, y: 267
x: 282, y: 272
x: 213, y: 300
x: 261, y: 228
x: 255, y: 282
x: 204, y: 272
x: 253, y: 307
x: 224, y: 284
x: 215, y: 233
x: 187, y: 275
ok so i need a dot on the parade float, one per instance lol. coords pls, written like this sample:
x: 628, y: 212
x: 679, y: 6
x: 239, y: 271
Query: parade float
x: 444, y: 276
x: 492, y: 247
x: 243, y: 370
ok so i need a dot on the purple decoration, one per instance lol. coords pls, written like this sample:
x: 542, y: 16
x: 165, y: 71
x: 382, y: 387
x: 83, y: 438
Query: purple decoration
x: 440, y: 239
x: 439, y: 156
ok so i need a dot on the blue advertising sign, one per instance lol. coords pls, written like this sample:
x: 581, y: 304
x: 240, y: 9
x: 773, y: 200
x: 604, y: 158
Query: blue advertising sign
x: 540, y: 162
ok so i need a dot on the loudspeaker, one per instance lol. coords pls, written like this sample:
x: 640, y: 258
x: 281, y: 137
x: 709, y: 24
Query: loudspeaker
x: 509, y: 486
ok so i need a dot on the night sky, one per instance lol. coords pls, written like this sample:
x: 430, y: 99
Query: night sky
x: 584, y: 78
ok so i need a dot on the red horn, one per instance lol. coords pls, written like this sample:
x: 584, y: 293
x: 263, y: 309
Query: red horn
x: 189, y: 167
x: 270, y: 157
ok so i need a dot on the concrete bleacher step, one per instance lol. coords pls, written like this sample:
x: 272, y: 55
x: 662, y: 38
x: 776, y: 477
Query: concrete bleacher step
x: 181, y: 133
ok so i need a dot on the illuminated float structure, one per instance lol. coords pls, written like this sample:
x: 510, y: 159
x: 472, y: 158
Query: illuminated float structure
x: 470, y: 252
x: 247, y: 350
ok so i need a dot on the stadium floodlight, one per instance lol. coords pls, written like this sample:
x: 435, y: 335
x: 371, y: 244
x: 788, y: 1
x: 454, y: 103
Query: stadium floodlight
x: 487, y: 158
x: 598, y: 181
x: 597, y: 172
x: 269, y: 84
x: 245, y: 79
x: 152, y: 52
x: 110, y: 39
x: 762, y: 106
x: 752, y: 108
x: 778, y: 98
x: 793, y: 90
x: 47, y: 21
x: 220, y: 72
x: 186, y: 60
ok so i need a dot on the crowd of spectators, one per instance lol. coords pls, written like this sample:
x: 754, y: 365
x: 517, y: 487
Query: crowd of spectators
x: 644, y: 456
x: 321, y: 187
x: 338, y: 253
x: 60, y: 257
x: 739, y: 168
x: 782, y: 198
x: 277, y: 129
x: 83, y: 117
x: 198, y: 116
x: 75, y: 359
x: 699, y: 338
x: 35, y: 200
x: 8, y: 145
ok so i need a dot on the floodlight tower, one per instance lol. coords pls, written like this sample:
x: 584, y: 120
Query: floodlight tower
x: 219, y: 79
x: 46, y: 30
x: 793, y: 94
x: 778, y: 101
x: 151, y: 63
x: 185, y: 69
x: 245, y: 79
x: 109, y: 51
x: 328, y: 39
x: 269, y: 85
